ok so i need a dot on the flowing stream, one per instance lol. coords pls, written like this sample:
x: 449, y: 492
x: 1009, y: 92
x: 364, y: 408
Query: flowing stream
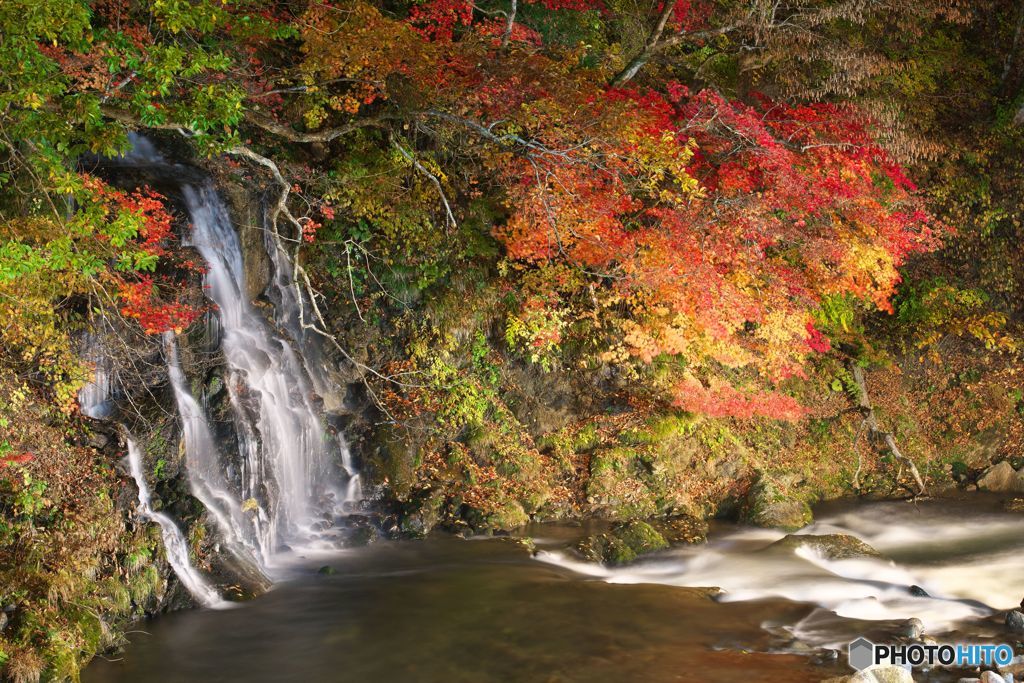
x: 447, y: 609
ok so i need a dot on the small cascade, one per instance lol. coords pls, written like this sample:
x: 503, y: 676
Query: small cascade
x: 174, y: 541
x: 95, y: 399
x: 205, y: 470
x: 292, y: 313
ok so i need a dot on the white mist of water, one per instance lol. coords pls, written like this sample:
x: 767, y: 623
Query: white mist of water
x: 175, y: 544
x: 288, y: 463
x: 969, y: 567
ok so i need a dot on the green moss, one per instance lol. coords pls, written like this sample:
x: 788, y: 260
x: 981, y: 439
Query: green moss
x: 623, y: 544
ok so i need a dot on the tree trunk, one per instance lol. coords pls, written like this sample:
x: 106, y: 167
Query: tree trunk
x: 875, y: 433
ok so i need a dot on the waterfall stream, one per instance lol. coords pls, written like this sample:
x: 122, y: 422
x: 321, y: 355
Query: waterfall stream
x: 203, y: 463
x: 174, y: 541
x: 287, y: 454
x: 294, y: 479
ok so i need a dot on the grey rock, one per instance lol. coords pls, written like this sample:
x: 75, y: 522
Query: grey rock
x: 771, y: 504
x: 912, y: 628
x: 1015, y: 621
x: 829, y: 546
x: 1002, y: 478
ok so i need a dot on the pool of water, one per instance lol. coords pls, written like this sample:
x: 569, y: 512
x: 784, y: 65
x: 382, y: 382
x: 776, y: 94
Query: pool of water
x: 448, y: 609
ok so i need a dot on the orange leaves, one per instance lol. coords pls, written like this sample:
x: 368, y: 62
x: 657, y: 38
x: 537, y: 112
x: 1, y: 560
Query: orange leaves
x: 720, y: 399
x: 722, y: 224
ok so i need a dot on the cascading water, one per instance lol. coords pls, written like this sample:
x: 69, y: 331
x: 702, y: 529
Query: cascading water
x: 174, y: 541
x: 203, y: 463
x: 281, y: 495
x: 940, y: 565
x: 96, y: 401
x: 286, y: 451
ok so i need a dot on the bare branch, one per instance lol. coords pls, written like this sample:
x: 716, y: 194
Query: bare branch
x: 876, y: 433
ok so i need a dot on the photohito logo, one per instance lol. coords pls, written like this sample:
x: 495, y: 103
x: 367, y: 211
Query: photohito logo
x: 863, y: 653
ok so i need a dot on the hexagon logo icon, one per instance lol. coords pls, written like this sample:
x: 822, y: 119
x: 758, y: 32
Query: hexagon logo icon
x: 862, y: 653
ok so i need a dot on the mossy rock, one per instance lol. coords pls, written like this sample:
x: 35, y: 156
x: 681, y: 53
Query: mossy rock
x: 394, y: 457
x: 421, y: 514
x: 772, y: 504
x: 623, y: 544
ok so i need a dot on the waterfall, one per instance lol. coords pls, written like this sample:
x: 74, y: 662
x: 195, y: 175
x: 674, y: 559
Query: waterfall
x: 288, y: 457
x: 175, y: 544
x: 95, y: 399
x: 286, y: 491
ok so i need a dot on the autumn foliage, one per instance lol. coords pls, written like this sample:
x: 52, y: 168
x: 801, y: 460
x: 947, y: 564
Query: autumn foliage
x: 703, y: 221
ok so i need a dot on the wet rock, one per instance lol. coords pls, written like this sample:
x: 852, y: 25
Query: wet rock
x: 918, y: 592
x: 1014, y: 505
x: 1002, y: 478
x: 682, y: 529
x: 826, y: 657
x: 421, y: 515
x: 829, y: 546
x: 623, y: 544
x: 1015, y: 621
x: 771, y: 504
x: 912, y: 628
x: 327, y: 570
x: 363, y: 535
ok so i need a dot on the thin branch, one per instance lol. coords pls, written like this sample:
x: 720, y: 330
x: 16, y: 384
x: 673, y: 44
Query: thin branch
x: 433, y: 178
x: 510, y: 21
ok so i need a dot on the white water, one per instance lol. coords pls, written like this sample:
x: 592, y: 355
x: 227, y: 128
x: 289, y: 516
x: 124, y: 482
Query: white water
x: 287, y: 455
x: 204, y: 465
x: 175, y: 544
x: 95, y: 399
x: 969, y: 566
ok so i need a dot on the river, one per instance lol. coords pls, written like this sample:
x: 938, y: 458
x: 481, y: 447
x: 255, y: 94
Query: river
x: 502, y: 609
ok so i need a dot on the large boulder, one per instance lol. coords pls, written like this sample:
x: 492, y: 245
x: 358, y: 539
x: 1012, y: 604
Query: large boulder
x: 829, y: 546
x: 623, y: 544
x: 1002, y: 478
